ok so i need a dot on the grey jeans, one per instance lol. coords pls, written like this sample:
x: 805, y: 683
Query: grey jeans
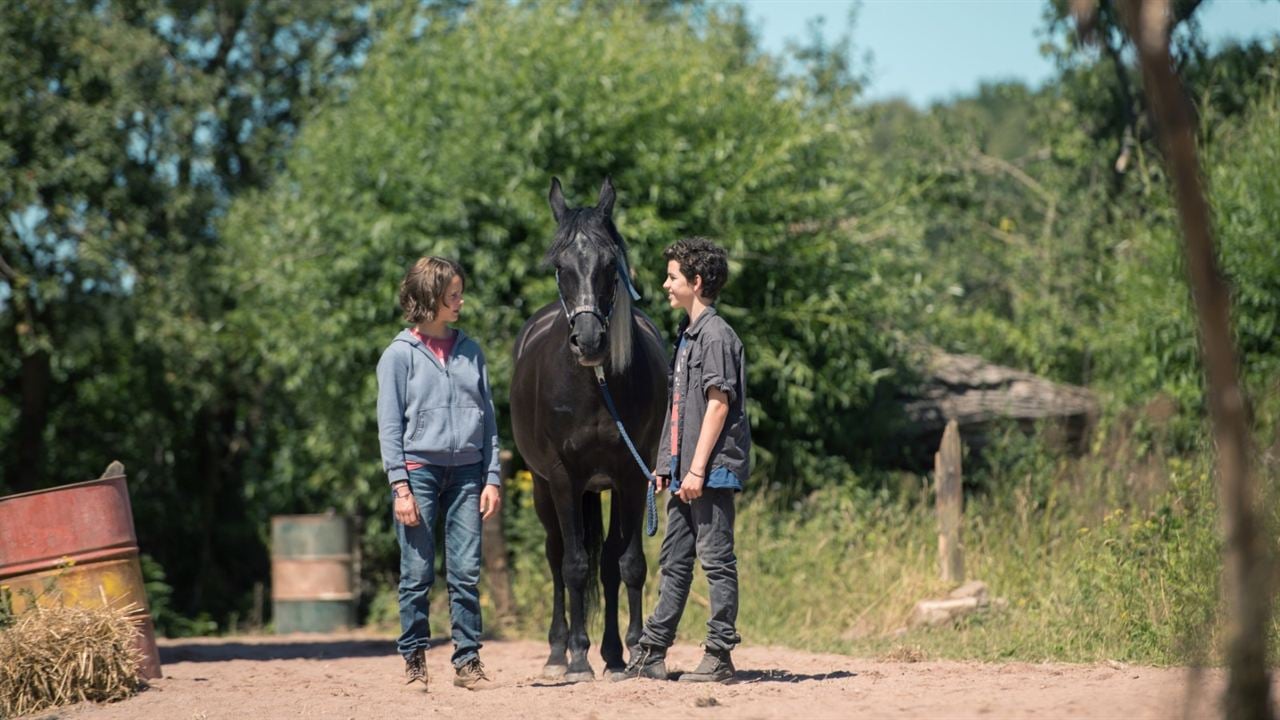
x: 703, y: 528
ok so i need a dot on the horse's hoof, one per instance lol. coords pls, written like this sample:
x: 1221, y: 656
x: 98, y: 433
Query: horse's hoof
x: 554, y: 672
x: 615, y: 674
x: 580, y: 676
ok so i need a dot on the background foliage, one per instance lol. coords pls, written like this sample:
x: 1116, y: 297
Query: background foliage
x: 700, y: 133
x: 208, y: 210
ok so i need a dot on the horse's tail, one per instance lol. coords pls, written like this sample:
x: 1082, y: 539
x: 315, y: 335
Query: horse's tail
x: 593, y: 541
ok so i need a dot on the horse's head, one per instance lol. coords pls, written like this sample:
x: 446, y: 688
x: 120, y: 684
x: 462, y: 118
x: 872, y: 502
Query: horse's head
x: 589, y: 257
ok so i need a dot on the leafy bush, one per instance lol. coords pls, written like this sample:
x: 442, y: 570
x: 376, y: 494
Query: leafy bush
x: 1152, y: 349
x: 168, y: 621
x: 447, y: 145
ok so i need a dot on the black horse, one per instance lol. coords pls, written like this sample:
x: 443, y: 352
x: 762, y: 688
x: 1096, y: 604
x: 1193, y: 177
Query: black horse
x: 568, y: 438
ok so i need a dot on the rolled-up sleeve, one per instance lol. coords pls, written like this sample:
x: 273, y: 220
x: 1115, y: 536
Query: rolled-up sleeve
x: 719, y: 367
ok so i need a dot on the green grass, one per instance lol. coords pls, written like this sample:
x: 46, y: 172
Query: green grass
x: 1135, y: 583
x: 1113, y: 556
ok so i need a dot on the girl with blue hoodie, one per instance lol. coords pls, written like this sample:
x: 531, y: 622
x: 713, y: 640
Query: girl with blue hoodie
x: 439, y: 441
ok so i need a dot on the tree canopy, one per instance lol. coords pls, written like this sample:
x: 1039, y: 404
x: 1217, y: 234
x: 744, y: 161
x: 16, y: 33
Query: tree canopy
x: 448, y: 146
x: 127, y: 129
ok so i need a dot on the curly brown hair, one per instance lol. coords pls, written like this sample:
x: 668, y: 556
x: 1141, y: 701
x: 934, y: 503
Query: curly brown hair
x: 424, y: 287
x: 700, y: 256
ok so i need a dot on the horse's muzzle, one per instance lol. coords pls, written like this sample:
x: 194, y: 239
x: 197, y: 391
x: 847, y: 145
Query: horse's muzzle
x: 588, y: 340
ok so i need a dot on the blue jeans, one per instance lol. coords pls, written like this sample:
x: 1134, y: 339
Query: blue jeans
x: 455, y: 493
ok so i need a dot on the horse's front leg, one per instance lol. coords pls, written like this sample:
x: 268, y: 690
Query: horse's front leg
x: 632, y: 564
x: 558, y: 635
x: 611, y: 578
x: 576, y: 571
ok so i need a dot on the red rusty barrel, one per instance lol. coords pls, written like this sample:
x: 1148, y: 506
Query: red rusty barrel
x: 78, y: 540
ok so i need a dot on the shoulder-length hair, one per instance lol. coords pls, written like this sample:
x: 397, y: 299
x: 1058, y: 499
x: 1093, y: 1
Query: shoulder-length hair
x: 424, y: 287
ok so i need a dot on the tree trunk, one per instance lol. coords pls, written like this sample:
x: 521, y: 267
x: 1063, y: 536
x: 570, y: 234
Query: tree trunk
x: 27, y: 471
x: 1246, y: 563
x: 209, y: 469
x: 496, y: 568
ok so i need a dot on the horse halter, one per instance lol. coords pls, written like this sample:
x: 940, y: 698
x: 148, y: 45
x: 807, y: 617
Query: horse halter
x: 650, y: 503
x: 570, y: 316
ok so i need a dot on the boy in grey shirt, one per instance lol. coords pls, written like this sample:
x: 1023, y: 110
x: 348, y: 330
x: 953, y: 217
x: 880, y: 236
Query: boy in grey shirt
x: 704, y: 457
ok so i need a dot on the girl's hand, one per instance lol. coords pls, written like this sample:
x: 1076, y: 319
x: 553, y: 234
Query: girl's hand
x: 490, y: 501
x: 406, y: 509
x: 661, y: 482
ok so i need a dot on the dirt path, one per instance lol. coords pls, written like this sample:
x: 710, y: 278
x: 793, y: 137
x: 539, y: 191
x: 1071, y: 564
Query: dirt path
x: 358, y: 676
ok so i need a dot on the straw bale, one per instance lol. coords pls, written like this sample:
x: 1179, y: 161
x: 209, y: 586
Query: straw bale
x: 51, y: 656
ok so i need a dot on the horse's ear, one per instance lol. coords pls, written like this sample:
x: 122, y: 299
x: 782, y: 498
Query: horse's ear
x: 605, y: 204
x: 556, y: 198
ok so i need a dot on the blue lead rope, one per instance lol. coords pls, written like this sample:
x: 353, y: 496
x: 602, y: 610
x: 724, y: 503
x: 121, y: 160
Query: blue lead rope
x: 650, y: 503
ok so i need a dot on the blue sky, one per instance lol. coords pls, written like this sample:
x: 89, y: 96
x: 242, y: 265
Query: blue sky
x: 929, y: 50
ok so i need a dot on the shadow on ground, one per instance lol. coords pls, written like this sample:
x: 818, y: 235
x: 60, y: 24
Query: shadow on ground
x: 786, y: 676
x: 176, y: 652
x: 742, y: 677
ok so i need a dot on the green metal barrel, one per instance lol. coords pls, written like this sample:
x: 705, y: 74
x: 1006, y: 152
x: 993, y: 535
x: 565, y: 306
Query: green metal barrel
x: 312, y: 581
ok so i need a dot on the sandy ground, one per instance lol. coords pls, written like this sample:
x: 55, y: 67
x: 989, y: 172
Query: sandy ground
x: 359, y: 676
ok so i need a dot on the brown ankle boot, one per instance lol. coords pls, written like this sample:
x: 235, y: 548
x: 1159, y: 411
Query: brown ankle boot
x: 415, y: 667
x: 716, y: 666
x: 470, y: 675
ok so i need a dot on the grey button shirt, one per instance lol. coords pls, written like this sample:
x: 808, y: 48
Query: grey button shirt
x: 712, y: 357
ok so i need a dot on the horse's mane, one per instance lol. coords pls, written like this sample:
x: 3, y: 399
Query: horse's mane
x: 620, y: 328
x: 597, y: 227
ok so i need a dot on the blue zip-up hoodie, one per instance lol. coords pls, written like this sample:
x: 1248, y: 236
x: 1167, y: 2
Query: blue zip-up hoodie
x: 435, y: 413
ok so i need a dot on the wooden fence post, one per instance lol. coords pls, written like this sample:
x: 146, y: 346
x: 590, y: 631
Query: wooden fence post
x: 950, y: 499
x: 494, y: 548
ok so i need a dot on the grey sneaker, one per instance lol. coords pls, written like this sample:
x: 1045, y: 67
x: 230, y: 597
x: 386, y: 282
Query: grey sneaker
x: 470, y: 675
x: 647, y: 661
x: 415, y: 667
x: 716, y: 666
